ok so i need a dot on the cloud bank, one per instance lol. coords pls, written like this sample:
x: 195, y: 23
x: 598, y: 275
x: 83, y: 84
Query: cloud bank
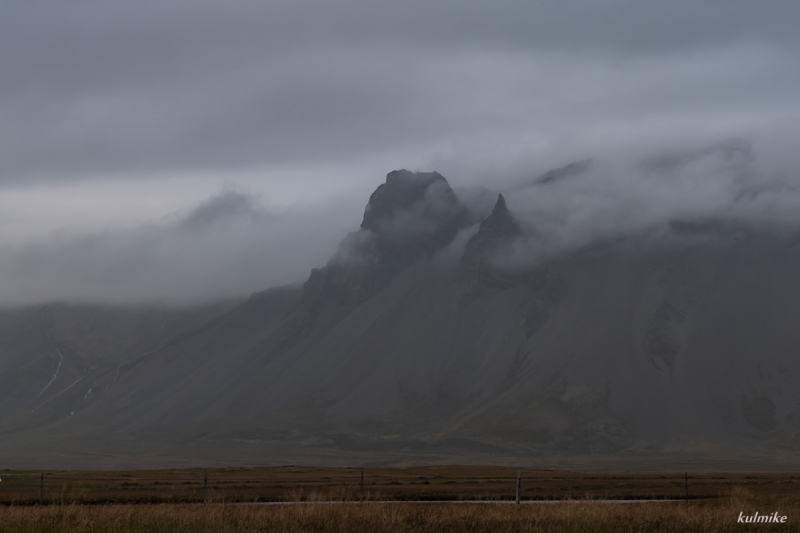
x: 121, y: 122
x: 226, y: 247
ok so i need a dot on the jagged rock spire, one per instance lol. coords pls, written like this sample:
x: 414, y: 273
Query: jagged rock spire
x: 498, y: 229
x: 496, y: 233
x: 501, y: 222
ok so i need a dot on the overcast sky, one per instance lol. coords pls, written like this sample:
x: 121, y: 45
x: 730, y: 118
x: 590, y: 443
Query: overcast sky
x: 178, y: 151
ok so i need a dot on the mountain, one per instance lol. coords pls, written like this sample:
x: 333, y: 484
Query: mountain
x: 571, y: 170
x: 622, y: 350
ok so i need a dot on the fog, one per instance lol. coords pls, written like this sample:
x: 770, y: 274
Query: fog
x: 710, y: 197
x: 179, y: 151
x: 226, y: 247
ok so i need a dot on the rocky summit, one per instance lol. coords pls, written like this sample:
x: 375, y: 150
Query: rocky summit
x: 627, y: 351
x: 482, y: 258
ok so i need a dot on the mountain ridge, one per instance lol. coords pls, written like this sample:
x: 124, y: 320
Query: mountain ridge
x: 615, y: 349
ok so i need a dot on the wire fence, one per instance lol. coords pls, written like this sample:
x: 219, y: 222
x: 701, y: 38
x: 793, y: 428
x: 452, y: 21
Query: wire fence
x: 293, y: 484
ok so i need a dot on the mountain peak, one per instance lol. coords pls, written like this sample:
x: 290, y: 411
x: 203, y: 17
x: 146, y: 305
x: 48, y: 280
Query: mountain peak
x: 501, y: 223
x: 500, y: 208
x: 412, y: 215
x: 497, y: 230
x: 406, y: 191
x: 407, y: 218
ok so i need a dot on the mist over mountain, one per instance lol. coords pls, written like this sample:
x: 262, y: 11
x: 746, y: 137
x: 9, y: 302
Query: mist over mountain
x: 585, y: 249
x: 584, y: 313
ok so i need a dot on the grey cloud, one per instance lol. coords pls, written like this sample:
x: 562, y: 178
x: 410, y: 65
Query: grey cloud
x: 142, y: 88
x: 490, y: 94
x: 479, y: 199
x: 229, y: 245
x: 356, y: 249
x: 449, y: 257
x: 735, y: 153
x: 225, y: 207
x: 226, y: 247
x: 712, y: 196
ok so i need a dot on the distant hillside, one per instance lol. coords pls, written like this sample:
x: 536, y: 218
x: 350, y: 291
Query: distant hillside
x: 420, y: 337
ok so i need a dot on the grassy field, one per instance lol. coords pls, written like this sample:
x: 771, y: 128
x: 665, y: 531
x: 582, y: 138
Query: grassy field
x: 291, y: 483
x: 162, y: 495
x: 718, y: 515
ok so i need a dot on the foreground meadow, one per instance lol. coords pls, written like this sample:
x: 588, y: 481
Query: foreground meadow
x: 719, y: 515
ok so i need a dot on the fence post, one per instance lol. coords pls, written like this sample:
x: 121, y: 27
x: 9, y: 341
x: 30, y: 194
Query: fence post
x: 519, y: 483
x: 205, y: 487
x: 41, y: 489
x: 362, y: 485
x: 687, y: 488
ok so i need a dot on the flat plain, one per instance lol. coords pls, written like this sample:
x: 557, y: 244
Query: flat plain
x: 393, y: 500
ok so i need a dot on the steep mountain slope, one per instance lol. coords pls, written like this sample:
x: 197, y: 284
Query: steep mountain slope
x: 623, y: 347
x: 49, y: 350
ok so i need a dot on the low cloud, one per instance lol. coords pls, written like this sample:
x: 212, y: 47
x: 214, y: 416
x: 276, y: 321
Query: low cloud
x: 225, y: 208
x: 115, y: 113
x: 695, y: 197
x: 228, y: 246
x: 231, y: 244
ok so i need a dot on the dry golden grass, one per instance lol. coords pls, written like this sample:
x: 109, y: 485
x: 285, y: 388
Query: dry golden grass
x: 727, y: 494
x: 717, y: 515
